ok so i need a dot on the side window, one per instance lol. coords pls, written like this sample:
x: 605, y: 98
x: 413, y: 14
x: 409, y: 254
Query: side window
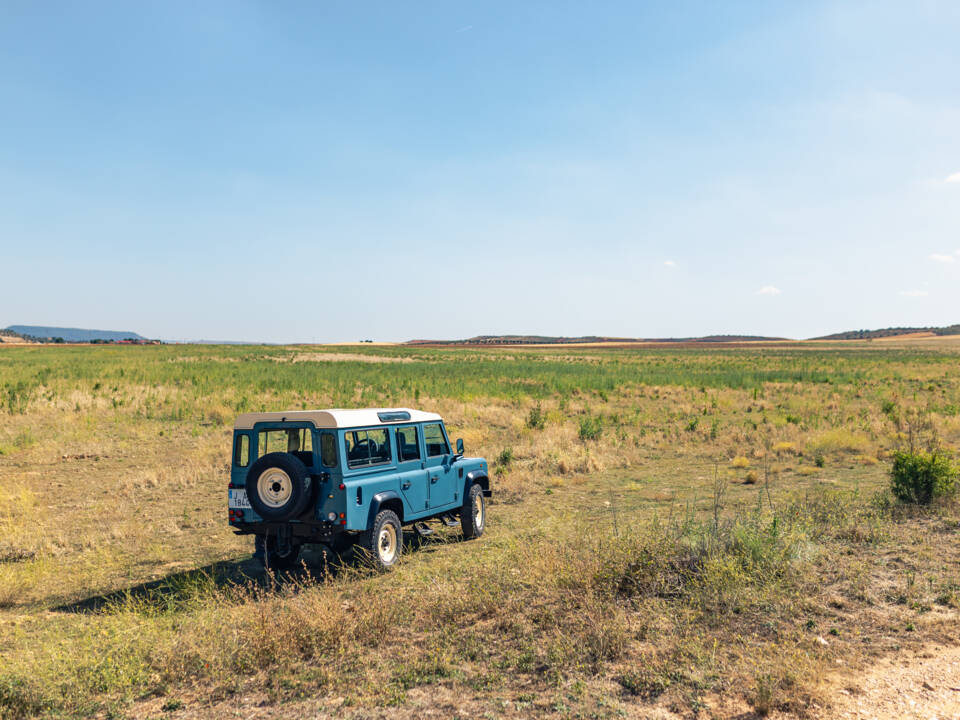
x: 434, y: 440
x: 367, y: 447
x: 407, y: 446
x: 328, y: 450
x: 241, y: 450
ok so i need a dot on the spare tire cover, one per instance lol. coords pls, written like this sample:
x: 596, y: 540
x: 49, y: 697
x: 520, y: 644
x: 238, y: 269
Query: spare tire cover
x: 278, y: 486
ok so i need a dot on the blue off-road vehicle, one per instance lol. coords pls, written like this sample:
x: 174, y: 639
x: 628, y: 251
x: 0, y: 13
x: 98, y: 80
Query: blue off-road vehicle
x: 349, y: 478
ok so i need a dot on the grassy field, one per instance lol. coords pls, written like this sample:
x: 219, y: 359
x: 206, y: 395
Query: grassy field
x: 675, y: 530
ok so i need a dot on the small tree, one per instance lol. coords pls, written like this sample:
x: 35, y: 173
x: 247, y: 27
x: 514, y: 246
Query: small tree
x: 920, y: 476
x: 536, y: 418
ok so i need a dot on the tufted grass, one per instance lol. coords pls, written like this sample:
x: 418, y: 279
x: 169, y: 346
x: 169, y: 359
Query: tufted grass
x: 628, y: 563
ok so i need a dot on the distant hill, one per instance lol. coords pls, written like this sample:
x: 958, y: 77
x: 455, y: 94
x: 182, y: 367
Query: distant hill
x: 549, y: 340
x: 890, y: 332
x: 42, y: 332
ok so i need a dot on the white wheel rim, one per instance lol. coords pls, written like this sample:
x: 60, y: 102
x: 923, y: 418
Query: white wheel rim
x: 274, y: 487
x: 479, y: 511
x: 387, y: 543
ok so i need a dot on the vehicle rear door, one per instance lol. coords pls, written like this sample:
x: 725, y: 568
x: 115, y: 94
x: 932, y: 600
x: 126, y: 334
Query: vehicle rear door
x: 411, y: 473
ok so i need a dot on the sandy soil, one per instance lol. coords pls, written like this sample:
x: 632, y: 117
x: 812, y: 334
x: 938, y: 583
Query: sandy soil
x: 921, y: 685
x: 911, y: 686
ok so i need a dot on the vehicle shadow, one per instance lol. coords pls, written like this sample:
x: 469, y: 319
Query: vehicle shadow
x: 178, y: 590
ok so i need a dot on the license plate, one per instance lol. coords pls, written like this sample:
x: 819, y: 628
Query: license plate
x: 238, y: 499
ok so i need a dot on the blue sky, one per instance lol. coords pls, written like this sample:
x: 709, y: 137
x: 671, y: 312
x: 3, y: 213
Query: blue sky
x: 297, y: 171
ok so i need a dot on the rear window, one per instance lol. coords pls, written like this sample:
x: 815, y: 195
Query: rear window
x: 328, y: 450
x: 285, y: 440
x: 241, y: 450
x: 366, y: 447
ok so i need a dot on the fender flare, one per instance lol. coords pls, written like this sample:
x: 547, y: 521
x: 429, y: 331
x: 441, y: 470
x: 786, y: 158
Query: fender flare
x: 478, y: 477
x: 382, y: 498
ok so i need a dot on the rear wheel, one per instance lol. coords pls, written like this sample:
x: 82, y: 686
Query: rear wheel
x: 473, y: 514
x: 384, y: 541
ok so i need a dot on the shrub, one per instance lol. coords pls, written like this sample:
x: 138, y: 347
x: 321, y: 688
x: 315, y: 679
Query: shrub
x: 536, y: 418
x: 18, y: 396
x: 590, y: 427
x: 919, y: 477
x: 740, y: 462
x: 505, y: 458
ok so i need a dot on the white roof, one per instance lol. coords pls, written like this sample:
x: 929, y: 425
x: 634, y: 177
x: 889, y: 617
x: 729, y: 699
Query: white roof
x: 334, y: 418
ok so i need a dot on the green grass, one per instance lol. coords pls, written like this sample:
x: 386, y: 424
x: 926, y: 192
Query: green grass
x: 628, y: 560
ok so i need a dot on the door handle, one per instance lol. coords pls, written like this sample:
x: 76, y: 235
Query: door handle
x: 434, y: 479
x: 405, y: 485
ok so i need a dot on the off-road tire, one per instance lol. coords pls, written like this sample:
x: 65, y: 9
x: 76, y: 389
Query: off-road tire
x: 287, y: 496
x: 473, y: 514
x: 383, y: 542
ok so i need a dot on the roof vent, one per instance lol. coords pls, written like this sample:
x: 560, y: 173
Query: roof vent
x: 393, y: 416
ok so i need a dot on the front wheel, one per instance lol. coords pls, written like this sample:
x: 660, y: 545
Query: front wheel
x: 473, y: 514
x: 384, y: 541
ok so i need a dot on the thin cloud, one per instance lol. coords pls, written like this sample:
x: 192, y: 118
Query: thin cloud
x: 769, y: 290
x: 941, y: 258
x: 465, y: 28
x: 913, y: 293
x: 670, y: 263
x: 955, y: 178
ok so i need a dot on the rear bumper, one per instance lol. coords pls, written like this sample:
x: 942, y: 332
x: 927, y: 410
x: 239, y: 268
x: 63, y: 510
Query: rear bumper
x: 304, y: 532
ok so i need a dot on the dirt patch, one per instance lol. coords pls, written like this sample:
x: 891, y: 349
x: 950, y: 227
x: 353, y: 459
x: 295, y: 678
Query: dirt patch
x: 909, y: 686
x: 350, y: 357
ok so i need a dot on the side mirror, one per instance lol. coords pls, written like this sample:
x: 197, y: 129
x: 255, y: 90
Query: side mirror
x: 459, y: 446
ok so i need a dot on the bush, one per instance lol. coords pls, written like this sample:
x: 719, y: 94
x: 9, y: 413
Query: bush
x: 536, y: 418
x: 17, y: 398
x: 590, y: 427
x: 919, y: 477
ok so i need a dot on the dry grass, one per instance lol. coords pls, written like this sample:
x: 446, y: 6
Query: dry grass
x: 628, y: 564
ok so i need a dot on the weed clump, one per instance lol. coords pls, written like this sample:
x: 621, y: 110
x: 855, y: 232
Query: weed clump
x: 536, y: 418
x: 17, y: 397
x: 644, y: 684
x: 919, y: 477
x: 591, y: 427
x: 20, y: 699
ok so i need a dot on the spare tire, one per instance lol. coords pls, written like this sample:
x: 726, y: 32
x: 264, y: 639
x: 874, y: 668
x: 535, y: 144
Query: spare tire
x: 278, y: 486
